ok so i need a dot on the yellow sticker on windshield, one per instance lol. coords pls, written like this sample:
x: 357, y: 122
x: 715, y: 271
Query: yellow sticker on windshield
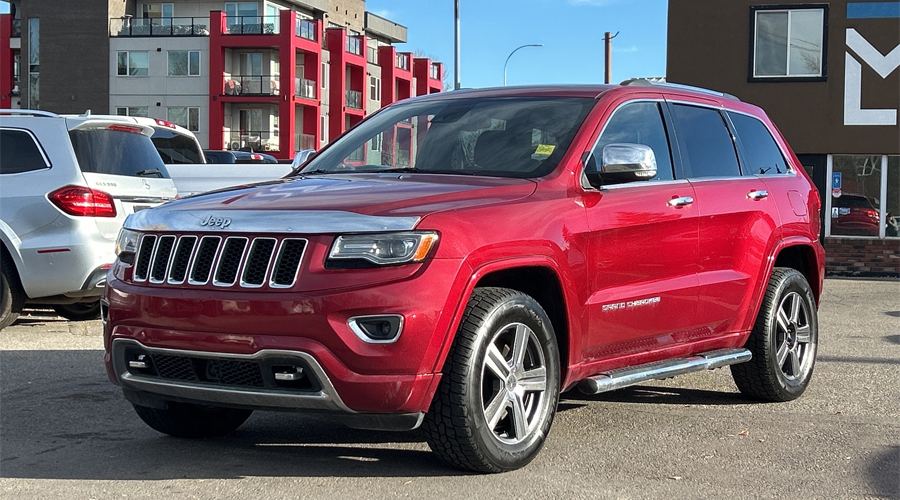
x: 544, y: 149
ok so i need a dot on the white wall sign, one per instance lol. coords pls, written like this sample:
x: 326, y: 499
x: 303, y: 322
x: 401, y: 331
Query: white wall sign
x: 884, y: 65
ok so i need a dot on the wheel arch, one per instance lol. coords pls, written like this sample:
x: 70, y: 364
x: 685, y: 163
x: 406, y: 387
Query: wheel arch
x: 803, y: 258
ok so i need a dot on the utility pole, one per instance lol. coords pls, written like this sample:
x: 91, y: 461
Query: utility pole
x: 607, y: 38
x: 456, y: 85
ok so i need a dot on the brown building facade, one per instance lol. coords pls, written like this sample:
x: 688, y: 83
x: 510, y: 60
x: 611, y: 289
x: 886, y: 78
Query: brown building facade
x: 829, y: 76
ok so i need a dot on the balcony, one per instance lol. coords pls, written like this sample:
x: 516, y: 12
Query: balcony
x: 16, y: 28
x: 305, y: 88
x: 354, y: 99
x: 159, y: 26
x: 257, y: 140
x: 251, y: 85
x: 403, y: 61
x: 354, y: 46
x: 252, y: 25
x: 305, y: 141
x: 306, y: 29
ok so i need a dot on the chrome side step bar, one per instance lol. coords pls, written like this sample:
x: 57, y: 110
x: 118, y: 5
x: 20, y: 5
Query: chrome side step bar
x: 624, y: 377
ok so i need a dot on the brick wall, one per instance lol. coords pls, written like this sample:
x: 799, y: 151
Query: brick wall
x: 862, y: 257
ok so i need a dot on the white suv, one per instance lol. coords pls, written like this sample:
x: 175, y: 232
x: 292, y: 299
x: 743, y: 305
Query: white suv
x: 67, y: 183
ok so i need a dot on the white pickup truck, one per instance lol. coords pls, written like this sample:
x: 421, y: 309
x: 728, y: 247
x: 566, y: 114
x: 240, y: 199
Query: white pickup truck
x: 187, y: 165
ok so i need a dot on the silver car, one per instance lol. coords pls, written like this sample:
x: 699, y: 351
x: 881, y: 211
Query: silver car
x: 67, y: 183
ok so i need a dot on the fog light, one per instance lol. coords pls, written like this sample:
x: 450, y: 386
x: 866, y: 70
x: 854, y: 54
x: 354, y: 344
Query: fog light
x: 377, y: 329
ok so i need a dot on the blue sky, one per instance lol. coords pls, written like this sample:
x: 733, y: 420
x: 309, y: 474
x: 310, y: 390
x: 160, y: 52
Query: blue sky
x: 571, y: 31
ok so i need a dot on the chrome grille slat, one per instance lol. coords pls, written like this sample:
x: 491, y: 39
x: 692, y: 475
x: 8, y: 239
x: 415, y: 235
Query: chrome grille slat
x: 230, y: 261
x: 222, y: 262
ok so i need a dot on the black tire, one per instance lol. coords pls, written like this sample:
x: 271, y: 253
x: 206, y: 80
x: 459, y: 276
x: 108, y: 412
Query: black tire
x: 784, y: 341
x: 458, y: 425
x: 79, y: 311
x: 12, y: 297
x: 193, y: 421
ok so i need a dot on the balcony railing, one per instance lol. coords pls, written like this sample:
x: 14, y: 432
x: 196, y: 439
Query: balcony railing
x: 306, y: 29
x: 16, y: 28
x: 305, y: 141
x: 159, y: 26
x: 257, y: 140
x: 403, y: 61
x: 354, y: 99
x: 252, y: 85
x: 252, y: 25
x: 354, y: 46
x: 305, y: 88
x: 435, y: 72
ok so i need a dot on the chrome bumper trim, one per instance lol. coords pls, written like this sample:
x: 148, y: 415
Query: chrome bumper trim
x: 167, y: 218
x: 326, y: 399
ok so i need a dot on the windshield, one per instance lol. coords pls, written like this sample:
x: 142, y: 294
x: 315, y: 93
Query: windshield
x: 116, y: 152
x: 176, y: 148
x: 502, y: 137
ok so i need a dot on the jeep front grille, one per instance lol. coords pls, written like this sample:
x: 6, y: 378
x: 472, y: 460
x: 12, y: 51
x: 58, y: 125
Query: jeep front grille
x: 230, y: 261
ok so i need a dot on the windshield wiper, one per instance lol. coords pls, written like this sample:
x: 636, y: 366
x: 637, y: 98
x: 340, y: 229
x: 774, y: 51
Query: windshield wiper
x: 148, y: 173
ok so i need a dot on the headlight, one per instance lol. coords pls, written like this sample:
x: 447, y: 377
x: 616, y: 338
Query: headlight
x: 127, y: 244
x: 372, y: 250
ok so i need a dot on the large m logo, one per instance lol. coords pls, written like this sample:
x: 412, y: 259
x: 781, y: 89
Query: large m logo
x: 884, y: 65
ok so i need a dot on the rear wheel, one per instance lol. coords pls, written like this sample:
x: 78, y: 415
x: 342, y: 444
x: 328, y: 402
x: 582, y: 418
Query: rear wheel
x: 500, y: 385
x: 193, y: 421
x: 79, y: 311
x: 783, y: 341
x: 12, y: 297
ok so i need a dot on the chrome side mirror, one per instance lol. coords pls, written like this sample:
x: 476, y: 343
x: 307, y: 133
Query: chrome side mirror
x: 622, y: 162
x: 302, y: 157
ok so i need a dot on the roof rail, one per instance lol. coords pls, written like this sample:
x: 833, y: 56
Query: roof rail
x: 643, y: 82
x: 32, y: 112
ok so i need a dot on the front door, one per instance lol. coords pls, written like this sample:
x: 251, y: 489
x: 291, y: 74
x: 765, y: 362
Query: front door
x: 643, y: 248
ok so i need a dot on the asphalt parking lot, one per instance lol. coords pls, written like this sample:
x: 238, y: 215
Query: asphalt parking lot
x: 66, y: 432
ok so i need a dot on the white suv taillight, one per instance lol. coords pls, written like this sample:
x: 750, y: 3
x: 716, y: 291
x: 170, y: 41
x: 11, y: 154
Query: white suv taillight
x: 83, y: 201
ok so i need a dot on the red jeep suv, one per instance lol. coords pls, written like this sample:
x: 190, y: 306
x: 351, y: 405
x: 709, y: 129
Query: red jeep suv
x: 457, y: 260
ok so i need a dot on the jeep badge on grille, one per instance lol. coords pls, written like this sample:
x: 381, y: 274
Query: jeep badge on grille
x: 216, y: 222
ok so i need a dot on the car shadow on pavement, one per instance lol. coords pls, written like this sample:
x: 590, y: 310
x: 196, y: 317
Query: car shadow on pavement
x: 645, y: 394
x: 62, y: 419
x: 883, y: 474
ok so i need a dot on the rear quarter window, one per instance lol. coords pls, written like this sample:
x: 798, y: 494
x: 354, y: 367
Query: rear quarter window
x: 759, y: 151
x: 20, y: 153
x: 116, y: 152
x: 175, y: 148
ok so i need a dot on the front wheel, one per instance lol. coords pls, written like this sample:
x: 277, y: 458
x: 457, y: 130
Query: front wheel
x: 500, y: 385
x: 79, y: 311
x: 193, y: 421
x: 783, y: 341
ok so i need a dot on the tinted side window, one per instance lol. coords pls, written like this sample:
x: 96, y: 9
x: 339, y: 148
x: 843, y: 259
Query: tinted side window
x: 706, y: 146
x: 114, y: 152
x: 760, y: 152
x: 176, y: 148
x: 19, y: 153
x: 639, y: 123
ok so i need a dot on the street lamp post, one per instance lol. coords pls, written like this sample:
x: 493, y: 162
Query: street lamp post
x: 513, y: 52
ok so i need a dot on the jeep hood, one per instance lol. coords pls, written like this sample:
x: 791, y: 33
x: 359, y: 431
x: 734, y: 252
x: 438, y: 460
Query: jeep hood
x: 379, y: 194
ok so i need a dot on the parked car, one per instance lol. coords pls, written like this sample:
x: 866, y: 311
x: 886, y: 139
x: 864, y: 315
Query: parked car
x: 237, y: 157
x: 856, y: 216
x: 457, y: 260
x: 67, y: 183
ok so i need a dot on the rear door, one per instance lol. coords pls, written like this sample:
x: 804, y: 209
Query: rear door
x: 643, y: 245
x: 123, y: 162
x: 738, y: 217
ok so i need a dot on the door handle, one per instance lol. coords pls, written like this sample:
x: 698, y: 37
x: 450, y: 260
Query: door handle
x: 758, y: 195
x: 680, y: 202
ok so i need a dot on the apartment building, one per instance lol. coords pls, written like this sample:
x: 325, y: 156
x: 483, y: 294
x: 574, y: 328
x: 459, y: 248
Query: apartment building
x: 272, y: 75
x: 829, y: 76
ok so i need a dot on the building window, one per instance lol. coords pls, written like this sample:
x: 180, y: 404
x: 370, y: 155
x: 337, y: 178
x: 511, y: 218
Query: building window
x: 157, y: 10
x: 788, y: 43
x: 133, y: 63
x: 188, y: 118
x: 184, y: 63
x: 864, y: 196
x: 143, y: 111
x: 34, y: 63
x: 375, y: 88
